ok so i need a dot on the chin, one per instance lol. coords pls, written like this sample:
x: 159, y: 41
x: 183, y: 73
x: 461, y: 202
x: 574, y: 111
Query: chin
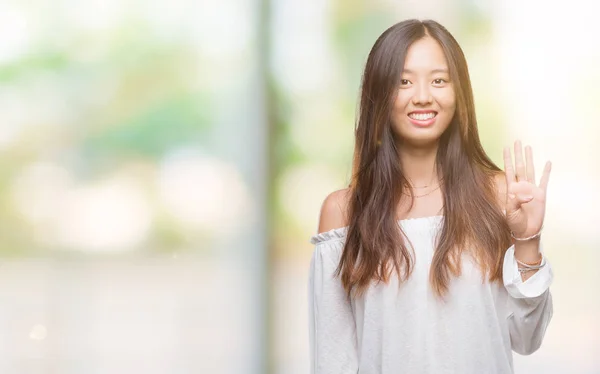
x: 422, y: 134
x: 420, y: 141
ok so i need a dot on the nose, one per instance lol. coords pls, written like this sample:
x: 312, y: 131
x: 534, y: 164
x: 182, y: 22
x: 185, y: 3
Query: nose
x: 422, y: 95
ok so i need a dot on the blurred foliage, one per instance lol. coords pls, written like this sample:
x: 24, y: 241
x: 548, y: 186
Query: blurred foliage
x: 152, y: 131
x: 125, y: 96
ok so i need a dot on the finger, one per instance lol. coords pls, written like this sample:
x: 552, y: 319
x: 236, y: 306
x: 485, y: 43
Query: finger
x: 546, y: 176
x: 519, y: 164
x: 515, y: 201
x: 529, y: 166
x: 508, y: 167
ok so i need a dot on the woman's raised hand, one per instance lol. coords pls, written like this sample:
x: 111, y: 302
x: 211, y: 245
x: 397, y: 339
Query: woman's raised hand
x: 525, y: 199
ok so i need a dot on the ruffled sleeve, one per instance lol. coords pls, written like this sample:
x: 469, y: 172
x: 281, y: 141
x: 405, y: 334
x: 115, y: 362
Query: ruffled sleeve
x: 332, y: 328
x: 529, y: 302
x: 335, y: 235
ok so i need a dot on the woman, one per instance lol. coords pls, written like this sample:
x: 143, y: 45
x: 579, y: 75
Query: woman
x: 431, y: 261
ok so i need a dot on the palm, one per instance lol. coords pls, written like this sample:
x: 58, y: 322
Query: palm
x: 524, y: 216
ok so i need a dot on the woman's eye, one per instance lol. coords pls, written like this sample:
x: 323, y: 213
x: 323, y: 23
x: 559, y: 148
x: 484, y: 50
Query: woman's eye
x: 439, y: 81
x: 404, y: 82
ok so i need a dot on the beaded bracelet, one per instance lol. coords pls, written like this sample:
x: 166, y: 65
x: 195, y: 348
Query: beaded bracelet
x: 525, y: 270
x: 528, y: 267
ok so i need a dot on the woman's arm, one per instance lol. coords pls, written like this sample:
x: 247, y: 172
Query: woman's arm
x: 332, y: 328
x: 529, y: 303
x: 529, y: 298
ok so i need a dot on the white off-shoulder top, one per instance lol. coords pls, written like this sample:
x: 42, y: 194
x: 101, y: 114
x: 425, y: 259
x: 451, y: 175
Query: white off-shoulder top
x: 405, y: 329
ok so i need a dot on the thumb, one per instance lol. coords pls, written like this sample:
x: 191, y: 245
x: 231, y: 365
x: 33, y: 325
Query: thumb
x: 515, y: 201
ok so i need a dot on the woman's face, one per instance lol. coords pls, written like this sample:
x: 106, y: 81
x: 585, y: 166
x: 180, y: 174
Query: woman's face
x: 425, y: 101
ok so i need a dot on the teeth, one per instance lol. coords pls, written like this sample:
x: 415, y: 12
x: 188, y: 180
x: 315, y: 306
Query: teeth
x: 422, y: 116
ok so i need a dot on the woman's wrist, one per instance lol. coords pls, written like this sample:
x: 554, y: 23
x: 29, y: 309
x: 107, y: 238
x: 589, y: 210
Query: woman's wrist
x: 528, y: 251
x: 526, y: 237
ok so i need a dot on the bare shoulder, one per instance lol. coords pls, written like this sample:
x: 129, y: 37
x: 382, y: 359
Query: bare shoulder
x: 334, y: 210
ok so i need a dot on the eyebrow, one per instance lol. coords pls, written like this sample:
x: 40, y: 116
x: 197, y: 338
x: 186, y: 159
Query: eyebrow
x: 408, y: 71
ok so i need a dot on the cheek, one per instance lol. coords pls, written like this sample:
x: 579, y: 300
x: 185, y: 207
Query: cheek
x: 399, y: 111
x: 401, y: 101
x: 447, y: 101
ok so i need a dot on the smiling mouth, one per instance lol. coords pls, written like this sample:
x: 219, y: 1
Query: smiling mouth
x: 422, y: 116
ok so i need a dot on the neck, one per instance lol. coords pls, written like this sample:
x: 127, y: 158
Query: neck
x: 419, y: 166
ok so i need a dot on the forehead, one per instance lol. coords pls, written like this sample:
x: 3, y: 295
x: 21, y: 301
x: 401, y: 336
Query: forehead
x: 425, y: 55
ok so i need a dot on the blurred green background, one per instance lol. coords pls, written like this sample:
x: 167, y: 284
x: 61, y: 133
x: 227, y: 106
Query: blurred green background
x: 163, y: 165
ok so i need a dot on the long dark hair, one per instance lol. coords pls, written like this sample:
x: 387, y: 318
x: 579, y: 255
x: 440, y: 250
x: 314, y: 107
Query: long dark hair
x: 473, y: 218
